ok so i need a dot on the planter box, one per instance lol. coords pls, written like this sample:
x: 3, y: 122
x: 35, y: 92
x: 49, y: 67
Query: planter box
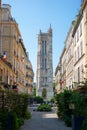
x: 77, y: 122
x: 81, y: 90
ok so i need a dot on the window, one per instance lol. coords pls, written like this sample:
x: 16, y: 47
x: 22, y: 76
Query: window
x: 42, y: 62
x: 82, y: 73
x: 75, y: 40
x: 0, y: 75
x: 45, y: 48
x: 46, y: 79
x: 6, y: 30
x: 81, y: 45
x: 78, y: 52
x: 78, y: 74
x: 42, y: 47
x: 80, y: 29
x: 75, y: 56
x: 42, y: 79
x: 45, y: 63
x: 77, y: 35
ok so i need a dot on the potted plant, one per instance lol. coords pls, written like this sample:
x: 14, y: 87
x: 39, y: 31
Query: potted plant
x: 82, y: 87
x: 79, y: 110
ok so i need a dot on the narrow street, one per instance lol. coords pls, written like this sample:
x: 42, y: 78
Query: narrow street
x: 44, y: 121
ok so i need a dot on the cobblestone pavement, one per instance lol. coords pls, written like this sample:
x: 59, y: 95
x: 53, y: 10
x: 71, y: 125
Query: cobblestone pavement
x: 44, y: 121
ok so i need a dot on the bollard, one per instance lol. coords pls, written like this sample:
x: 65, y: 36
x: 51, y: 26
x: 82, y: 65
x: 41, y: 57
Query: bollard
x: 77, y: 122
x: 9, y: 124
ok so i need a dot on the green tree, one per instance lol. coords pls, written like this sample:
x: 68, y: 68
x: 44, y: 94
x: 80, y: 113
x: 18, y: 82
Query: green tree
x: 38, y: 99
x: 54, y: 90
x: 34, y: 91
x: 44, y: 93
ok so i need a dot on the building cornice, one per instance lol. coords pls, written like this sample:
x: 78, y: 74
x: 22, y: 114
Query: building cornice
x: 64, y: 49
x: 84, y: 4
x: 77, y: 22
x: 79, y: 59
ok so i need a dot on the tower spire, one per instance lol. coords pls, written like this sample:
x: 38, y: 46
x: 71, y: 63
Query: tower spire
x: 50, y: 30
x: 50, y: 26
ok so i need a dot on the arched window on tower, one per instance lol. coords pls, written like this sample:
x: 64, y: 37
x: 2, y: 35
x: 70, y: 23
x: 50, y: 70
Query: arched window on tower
x: 42, y: 48
x: 45, y: 63
x: 45, y: 47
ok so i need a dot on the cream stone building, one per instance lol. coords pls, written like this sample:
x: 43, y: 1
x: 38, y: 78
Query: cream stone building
x: 63, y: 69
x: 58, y: 77
x: 11, y: 43
x: 80, y: 44
x: 5, y: 73
x: 69, y: 58
x: 76, y: 51
x: 45, y: 64
x: 29, y: 77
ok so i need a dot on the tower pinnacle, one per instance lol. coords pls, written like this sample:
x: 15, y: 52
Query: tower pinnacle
x: 50, y: 30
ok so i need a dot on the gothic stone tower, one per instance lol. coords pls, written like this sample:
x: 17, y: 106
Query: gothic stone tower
x: 44, y: 64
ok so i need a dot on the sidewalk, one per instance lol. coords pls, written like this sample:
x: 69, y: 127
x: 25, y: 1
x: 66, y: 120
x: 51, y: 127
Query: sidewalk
x: 44, y: 121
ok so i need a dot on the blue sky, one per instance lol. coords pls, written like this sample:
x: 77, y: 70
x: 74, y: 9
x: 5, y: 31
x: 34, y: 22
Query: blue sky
x: 33, y: 15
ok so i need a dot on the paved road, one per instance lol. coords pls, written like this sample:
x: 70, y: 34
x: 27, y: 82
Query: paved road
x: 44, y: 121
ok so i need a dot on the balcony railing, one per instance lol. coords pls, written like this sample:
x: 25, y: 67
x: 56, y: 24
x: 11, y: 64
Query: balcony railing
x: 27, y: 67
x: 9, y: 64
x: 29, y: 85
x: 6, y: 62
x: 29, y: 76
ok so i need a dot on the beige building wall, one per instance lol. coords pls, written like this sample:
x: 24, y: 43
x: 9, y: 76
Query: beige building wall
x: 80, y: 49
x: 29, y: 77
x: 6, y: 74
x: 84, y: 9
x: 60, y: 73
x: 58, y: 86
x: 69, y: 58
x: 12, y: 43
x: 76, y: 51
x: 63, y: 69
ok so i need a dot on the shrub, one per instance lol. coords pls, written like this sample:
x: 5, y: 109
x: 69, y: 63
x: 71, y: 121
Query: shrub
x: 63, y: 100
x: 9, y: 120
x: 20, y: 121
x: 0, y: 126
x: 13, y: 121
x: 44, y: 93
x: 80, y: 105
x: 84, y: 125
x: 67, y: 120
x: 44, y: 107
x: 13, y: 110
x: 38, y: 99
x: 27, y: 115
x: 3, y: 120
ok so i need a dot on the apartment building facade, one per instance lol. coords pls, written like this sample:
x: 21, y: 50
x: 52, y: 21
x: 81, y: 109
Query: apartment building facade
x: 76, y: 51
x: 11, y: 44
x: 58, y: 77
x: 29, y: 77
x: 69, y: 58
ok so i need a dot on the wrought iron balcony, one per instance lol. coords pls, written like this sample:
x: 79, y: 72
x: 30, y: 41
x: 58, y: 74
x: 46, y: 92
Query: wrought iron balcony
x: 29, y: 85
x: 29, y: 76
x: 6, y: 62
